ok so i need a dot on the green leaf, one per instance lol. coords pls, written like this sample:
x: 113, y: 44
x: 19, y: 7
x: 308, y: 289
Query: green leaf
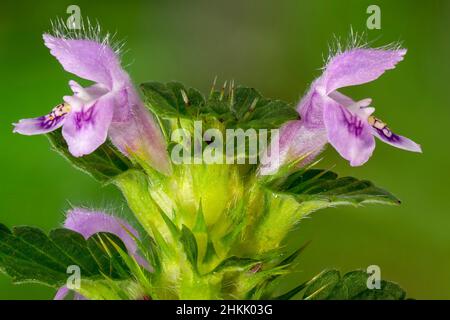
x: 321, y: 286
x: 27, y: 254
x: 325, y: 186
x: 166, y: 100
x: 153, y: 256
x: 291, y: 258
x: 255, y: 111
x: 388, y: 291
x: 354, y: 286
x: 190, y: 245
x: 103, y: 164
x: 210, y: 254
x: 170, y: 225
x: 237, y: 107
x: 329, y: 285
x: 200, y: 231
x: 236, y: 264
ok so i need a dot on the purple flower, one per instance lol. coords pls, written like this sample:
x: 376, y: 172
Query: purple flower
x: 110, y: 107
x: 329, y: 116
x: 88, y: 223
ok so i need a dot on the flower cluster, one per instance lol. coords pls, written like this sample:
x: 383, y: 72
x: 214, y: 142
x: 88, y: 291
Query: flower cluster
x: 216, y: 231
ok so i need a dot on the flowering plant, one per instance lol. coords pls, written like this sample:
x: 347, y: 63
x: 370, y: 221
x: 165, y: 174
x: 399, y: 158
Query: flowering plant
x: 208, y: 228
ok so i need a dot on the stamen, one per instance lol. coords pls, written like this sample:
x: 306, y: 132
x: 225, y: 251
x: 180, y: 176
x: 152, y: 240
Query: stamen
x: 376, y: 123
x: 380, y: 126
x: 56, y: 115
x: 61, y: 109
x: 58, y: 112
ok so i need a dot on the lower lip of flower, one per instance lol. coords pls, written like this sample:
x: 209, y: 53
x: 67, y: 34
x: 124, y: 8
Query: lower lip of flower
x: 56, y: 115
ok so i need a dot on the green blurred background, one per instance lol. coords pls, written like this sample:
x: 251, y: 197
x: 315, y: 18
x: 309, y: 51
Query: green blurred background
x: 277, y: 47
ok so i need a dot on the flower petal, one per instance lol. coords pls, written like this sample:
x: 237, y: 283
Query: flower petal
x: 310, y: 107
x: 61, y: 293
x: 135, y: 132
x: 387, y: 136
x: 44, y: 124
x: 348, y: 134
x: 89, y: 93
x: 125, y: 103
x: 87, y: 223
x: 358, y: 66
x: 64, y: 291
x: 87, y: 59
x: 296, y: 140
x: 341, y: 98
x: 37, y: 125
x: 361, y: 108
x: 86, y: 129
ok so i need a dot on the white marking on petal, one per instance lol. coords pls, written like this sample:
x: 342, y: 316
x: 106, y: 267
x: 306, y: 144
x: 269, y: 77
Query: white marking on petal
x: 362, y: 109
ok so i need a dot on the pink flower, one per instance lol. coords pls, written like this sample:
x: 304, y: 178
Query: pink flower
x: 110, y: 107
x: 328, y: 116
x: 88, y: 223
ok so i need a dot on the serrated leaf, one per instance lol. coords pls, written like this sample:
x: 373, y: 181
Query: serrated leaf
x: 354, y: 285
x: 322, y: 285
x: 322, y: 185
x: 388, y: 291
x: 195, y: 97
x: 166, y: 100
x: 329, y: 285
x: 108, y: 260
x: 103, y: 164
x: 238, y: 108
x: 246, y: 98
x: 27, y: 254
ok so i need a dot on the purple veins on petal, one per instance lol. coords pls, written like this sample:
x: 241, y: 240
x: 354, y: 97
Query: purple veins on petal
x: 348, y: 134
x: 109, y: 108
x: 84, y: 118
x: 384, y: 133
x: 44, y: 124
x: 354, y: 124
x: 85, y: 130
x: 350, y: 125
